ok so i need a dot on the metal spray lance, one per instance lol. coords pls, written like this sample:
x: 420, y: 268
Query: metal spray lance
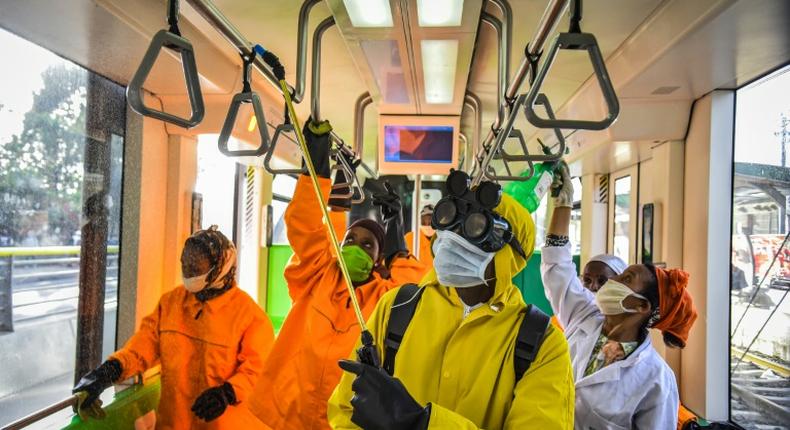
x: 367, y: 353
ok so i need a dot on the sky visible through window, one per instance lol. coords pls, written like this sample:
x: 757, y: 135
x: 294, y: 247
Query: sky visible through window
x: 759, y: 108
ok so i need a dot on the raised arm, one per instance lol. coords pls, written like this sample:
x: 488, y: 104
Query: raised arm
x: 307, y: 233
x: 570, y: 301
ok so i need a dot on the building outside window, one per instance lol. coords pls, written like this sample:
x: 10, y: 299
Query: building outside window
x: 760, y: 265
x: 61, y: 161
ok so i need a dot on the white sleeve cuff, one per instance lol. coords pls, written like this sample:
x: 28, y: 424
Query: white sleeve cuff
x: 556, y: 254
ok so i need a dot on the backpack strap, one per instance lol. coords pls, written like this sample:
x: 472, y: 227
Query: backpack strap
x: 401, y: 313
x: 530, y: 337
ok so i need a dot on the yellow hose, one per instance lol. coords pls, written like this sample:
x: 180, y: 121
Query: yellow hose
x: 322, y: 204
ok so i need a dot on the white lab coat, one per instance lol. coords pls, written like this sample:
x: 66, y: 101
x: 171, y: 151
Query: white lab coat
x: 638, y: 392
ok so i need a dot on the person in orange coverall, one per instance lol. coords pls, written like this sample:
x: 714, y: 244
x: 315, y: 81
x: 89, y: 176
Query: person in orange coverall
x: 210, y: 337
x: 426, y: 234
x: 321, y: 327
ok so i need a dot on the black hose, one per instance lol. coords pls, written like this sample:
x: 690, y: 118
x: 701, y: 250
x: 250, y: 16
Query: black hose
x: 272, y: 61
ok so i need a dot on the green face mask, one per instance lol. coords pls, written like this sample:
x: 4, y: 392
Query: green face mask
x: 358, y: 262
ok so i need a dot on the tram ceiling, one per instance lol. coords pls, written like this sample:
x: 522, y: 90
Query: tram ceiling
x: 682, y: 51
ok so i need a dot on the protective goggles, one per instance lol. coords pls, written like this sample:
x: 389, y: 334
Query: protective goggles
x: 469, y: 213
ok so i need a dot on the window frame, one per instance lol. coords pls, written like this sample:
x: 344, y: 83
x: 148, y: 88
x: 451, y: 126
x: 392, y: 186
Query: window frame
x: 732, y: 233
x: 633, y: 173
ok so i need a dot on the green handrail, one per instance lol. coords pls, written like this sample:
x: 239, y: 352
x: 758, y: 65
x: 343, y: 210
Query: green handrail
x: 33, y: 251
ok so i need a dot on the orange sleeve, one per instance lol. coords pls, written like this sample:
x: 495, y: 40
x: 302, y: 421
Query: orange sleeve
x: 256, y: 342
x: 409, y: 238
x: 339, y: 221
x: 308, y: 237
x: 141, y: 351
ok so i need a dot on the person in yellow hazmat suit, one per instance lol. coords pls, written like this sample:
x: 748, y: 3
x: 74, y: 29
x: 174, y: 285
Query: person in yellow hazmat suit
x: 426, y: 234
x: 472, y: 354
x: 210, y: 338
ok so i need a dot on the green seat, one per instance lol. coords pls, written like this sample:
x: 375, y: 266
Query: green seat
x: 126, y: 407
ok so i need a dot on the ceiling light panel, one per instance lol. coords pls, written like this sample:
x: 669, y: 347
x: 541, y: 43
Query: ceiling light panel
x: 439, y: 61
x: 440, y: 13
x: 369, y: 13
x: 384, y: 61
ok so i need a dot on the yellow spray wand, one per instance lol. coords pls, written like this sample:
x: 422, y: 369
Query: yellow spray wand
x: 368, y: 353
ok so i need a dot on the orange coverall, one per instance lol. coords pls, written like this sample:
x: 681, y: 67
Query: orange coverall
x: 426, y: 255
x: 321, y: 327
x: 228, y: 342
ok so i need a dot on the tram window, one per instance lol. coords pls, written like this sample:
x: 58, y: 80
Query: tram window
x: 61, y: 160
x: 539, y: 218
x: 216, y: 175
x: 283, y: 187
x: 575, y: 231
x: 621, y: 224
x: 760, y: 265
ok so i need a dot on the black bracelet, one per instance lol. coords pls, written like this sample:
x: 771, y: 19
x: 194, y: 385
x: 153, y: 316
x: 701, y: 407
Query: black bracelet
x: 556, y: 240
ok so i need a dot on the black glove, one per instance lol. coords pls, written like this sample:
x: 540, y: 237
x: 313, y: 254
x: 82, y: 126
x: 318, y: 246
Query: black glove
x: 391, y: 211
x: 317, y: 138
x: 98, y: 380
x: 337, y: 197
x: 382, y: 402
x: 212, y: 403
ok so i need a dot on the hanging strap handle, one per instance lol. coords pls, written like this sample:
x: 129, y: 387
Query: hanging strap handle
x: 245, y: 96
x: 171, y: 39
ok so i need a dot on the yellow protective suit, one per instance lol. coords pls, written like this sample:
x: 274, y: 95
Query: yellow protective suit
x: 321, y: 327
x: 227, y: 342
x: 464, y: 367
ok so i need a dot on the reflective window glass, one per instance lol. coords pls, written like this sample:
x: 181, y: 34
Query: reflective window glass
x: 575, y: 228
x: 622, y: 217
x: 760, y: 257
x: 61, y: 164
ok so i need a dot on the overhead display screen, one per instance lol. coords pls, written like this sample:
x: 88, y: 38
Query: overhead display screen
x: 418, y: 144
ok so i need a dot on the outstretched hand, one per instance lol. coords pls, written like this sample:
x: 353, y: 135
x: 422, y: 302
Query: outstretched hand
x: 389, y: 201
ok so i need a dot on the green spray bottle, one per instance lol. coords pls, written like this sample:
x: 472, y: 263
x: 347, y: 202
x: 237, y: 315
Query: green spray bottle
x: 530, y: 192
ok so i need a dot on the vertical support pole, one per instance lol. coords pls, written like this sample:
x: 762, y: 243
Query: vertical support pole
x: 6, y: 293
x: 415, y: 217
x: 93, y: 249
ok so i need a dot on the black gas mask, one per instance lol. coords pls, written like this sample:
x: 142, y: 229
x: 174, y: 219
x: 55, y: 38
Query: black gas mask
x: 469, y: 213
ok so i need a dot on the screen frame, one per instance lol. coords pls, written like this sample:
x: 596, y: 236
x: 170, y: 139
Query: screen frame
x: 423, y: 168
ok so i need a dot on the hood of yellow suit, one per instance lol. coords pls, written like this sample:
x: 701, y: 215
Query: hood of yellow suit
x: 507, y: 262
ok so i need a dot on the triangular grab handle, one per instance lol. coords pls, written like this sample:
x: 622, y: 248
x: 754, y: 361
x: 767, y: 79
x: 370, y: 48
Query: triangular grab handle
x: 230, y: 122
x: 281, y: 137
x: 134, y: 92
x: 574, y: 41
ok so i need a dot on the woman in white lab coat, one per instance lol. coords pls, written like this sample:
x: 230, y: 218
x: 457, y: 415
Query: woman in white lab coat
x: 621, y: 381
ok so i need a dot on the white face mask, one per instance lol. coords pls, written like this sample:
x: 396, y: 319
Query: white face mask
x: 457, y: 262
x: 610, y: 298
x: 427, y: 230
x: 195, y: 283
